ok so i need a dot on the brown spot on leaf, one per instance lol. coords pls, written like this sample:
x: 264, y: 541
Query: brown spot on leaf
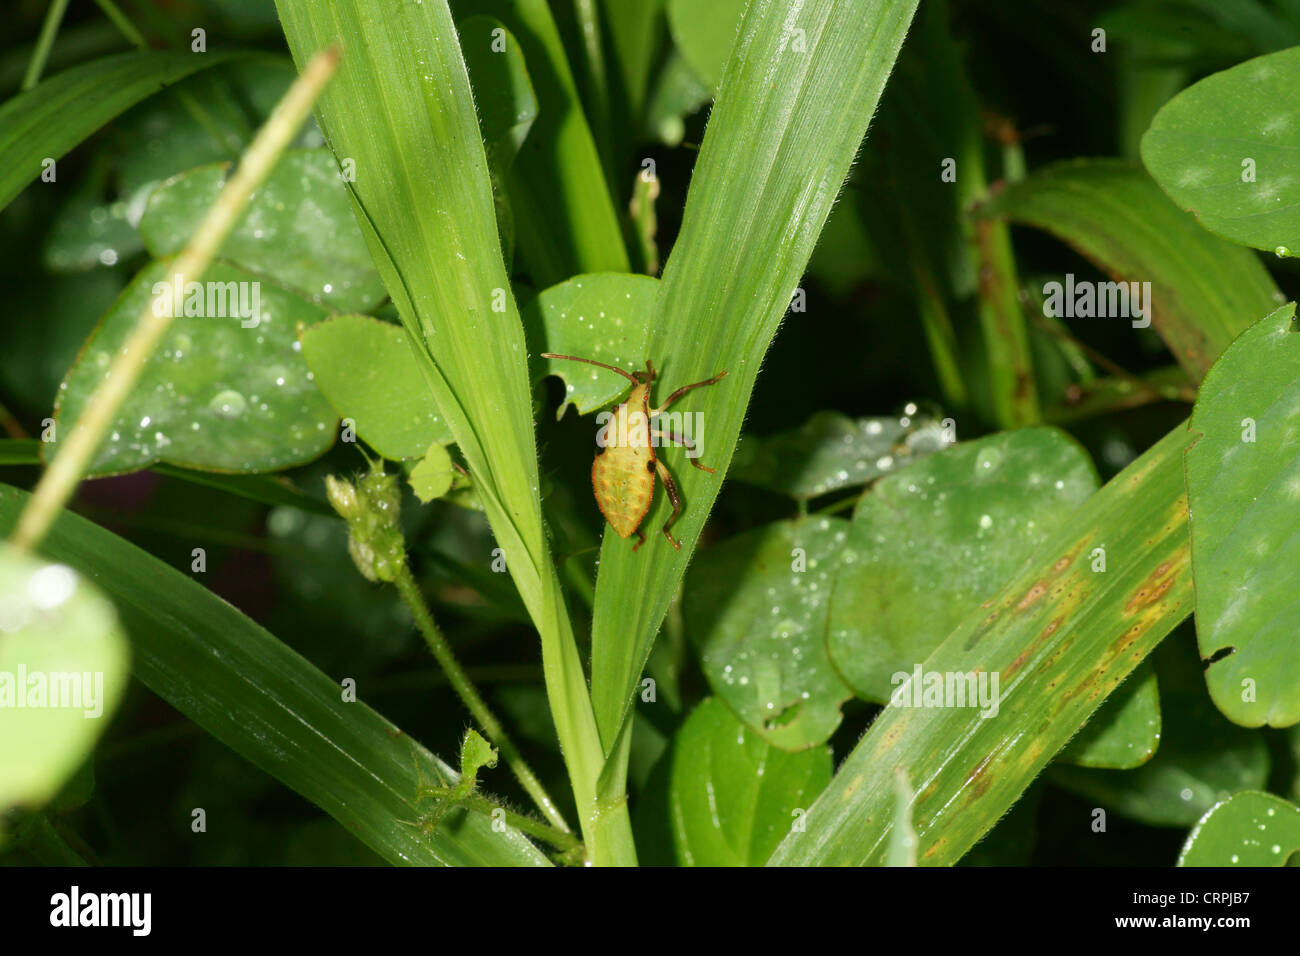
x: 1032, y: 595
x: 1153, y: 589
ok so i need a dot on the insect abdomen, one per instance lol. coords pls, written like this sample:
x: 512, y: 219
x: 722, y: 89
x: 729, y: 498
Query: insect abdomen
x: 621, y: 475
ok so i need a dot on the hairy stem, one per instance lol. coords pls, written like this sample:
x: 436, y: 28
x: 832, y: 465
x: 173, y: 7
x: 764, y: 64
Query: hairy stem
x: 468, y: 693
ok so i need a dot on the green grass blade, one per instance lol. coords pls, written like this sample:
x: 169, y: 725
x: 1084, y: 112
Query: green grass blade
x: 1061, y: 634
x: 49, y: 120
x: 20, y: 451
x: 1205, y: 291
x: 636, y: 29
x: 400, y: 106
x: 794, y: 103
x: 270, y: 705
x: 565, y: 218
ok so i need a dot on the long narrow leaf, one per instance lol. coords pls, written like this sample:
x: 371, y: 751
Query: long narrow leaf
x: 1060, y: 635
x: 1204, y: 290
x: 200, y: 654
x: 53, y: 117
x: 794, y: 103
x: 564, y: 213
x: 400, y: 107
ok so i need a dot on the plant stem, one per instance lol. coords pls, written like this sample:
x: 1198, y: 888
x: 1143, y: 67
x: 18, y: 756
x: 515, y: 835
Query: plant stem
x: 465, y: 689
x: 844, y: 504
x: 563, y: 839
x: 44, y: 43
x: 124, y: 25
x: 60, y: 479
x: 12, y: 427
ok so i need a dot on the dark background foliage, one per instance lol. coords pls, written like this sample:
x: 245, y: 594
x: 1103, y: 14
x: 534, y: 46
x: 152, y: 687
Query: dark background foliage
x: 858, y: 349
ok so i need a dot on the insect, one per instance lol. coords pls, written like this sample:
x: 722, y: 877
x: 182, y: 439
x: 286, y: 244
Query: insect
x: 623, y: 474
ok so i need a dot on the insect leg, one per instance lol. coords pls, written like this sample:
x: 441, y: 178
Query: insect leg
x: 640, y: 539
x: 574, y: 358
x: 677, y: 439
x: 670, y: 487
x: 686, y: 388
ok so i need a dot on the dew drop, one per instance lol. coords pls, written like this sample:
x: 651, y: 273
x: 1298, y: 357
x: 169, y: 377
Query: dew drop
x: 228, y: 404
x: 51, y: 586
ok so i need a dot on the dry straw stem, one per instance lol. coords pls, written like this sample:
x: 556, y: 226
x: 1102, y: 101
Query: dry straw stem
x: 60, y: 479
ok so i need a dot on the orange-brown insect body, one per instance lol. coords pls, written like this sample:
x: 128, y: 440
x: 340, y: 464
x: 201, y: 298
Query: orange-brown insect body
x: 623, y: 474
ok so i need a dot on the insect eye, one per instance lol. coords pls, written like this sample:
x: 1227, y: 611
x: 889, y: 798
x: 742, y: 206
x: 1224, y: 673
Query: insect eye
x: 650, y: 465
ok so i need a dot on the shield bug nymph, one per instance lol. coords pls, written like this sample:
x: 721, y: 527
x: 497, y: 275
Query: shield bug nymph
x: 623, y: 474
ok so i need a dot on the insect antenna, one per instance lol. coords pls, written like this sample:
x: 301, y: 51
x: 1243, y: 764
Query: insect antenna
x: 612, y: 368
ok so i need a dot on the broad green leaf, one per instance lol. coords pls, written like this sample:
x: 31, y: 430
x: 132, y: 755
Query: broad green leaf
x: 433, y: 476
x: 1125, y: 731
x: 64, y: 664
x: 603, y: 317
x: 756, y: 608
x: 199, y: 654
x: 221, y: 392
x: 1248, y: 829
x: 64, y: 110
x: 936, y: 539
x: 1224, y: 149
x: 1243, y: 487
x: 831, y: 451
x: 788, y: 120
x: 704, y: 34
x: 428, y: 216
x: 1202, y: 757
x: 367, y: 370
x: 564, y: 213
x: 1058, y: 636
x: 297, y: 231
x: 731, y: 796
x: 1204, y: 291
